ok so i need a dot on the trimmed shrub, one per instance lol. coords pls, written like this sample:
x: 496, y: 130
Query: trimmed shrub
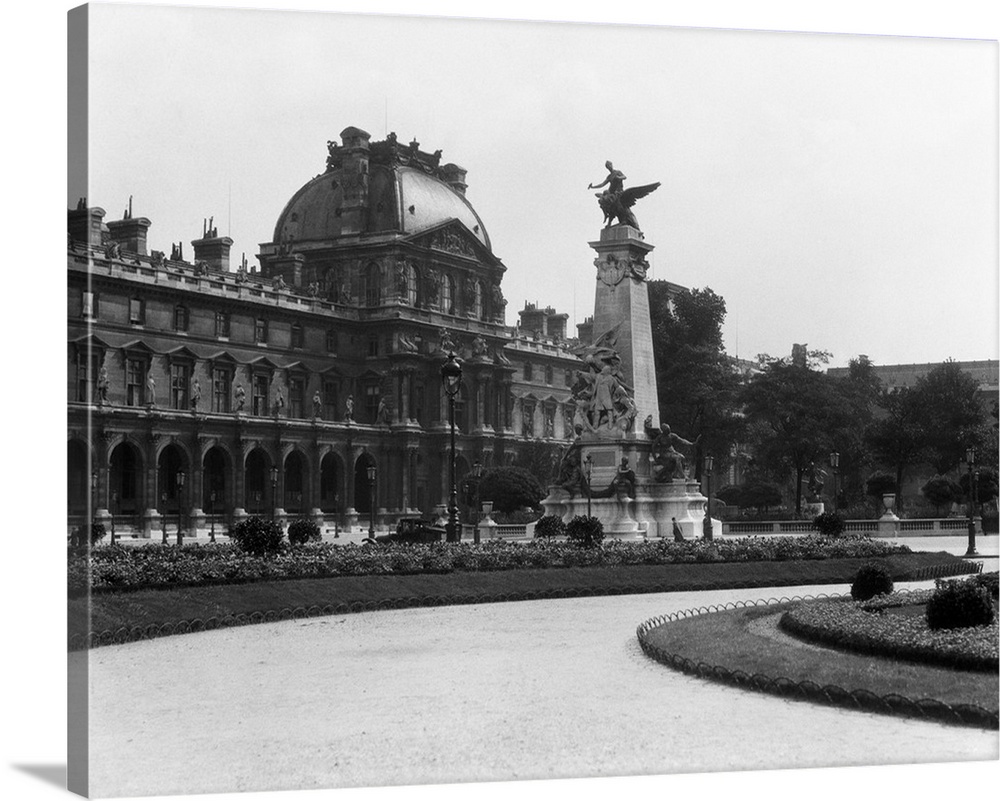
x: 991, y: 581
x: 510, y: 488
x: 829, y: 524
x: 303, y: 531
x: 871, y: 579
x: 959, y: 605
x: 587, y: 532
x: 941, y: 491
x: 550, y: 526
x: 257, y: 536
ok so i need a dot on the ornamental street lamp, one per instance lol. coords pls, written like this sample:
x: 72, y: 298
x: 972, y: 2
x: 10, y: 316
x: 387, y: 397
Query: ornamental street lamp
x: 451, y: 377
x: 274, y: 493
x: 588, y: 466
x: 163, y: 503
x: 93, y: 506
x: 180, y: 505
x: 970, y: 458
x: 706, y: 527
x: 834, y: 465
x: 372, y: 472
x: 211, y: 515
x: 473, y: 491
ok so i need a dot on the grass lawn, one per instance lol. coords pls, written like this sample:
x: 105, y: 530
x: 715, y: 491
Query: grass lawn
x: 110, y: 611
x: 746, y: 640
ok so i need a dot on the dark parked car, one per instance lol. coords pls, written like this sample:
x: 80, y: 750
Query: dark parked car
x: 414, y: 529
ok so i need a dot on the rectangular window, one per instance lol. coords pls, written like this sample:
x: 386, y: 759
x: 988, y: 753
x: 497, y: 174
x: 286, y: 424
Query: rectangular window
x: 260, y: 331
x: 180, y: 318
x: 137, y: 311
x: 330, y: 400
x: 373, y: 346
x: 569, y: 378
x: 135, y: 381
x: 180, y: 375
x: 85, y: 377
x: 260, y: 395
x: 298, y: 336
x: 296, y: 397
x: 222, y: 324
x: 417, y: 403
x: 89, y: 309
x: 371, y: 402
x: 221, y: 389
x: 527, y: 371
x: 528, y: 420
x: 331, y: 341
x: 548, y: 374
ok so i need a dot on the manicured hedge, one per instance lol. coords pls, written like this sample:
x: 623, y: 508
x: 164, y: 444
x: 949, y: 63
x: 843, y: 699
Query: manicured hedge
x: 867, y: 627
x: 118, y: 567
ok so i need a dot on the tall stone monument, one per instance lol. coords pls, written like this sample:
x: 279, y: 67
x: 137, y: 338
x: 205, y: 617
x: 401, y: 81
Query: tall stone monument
x: 624, y: 466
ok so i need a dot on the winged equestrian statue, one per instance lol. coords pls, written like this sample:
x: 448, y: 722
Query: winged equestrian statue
x: 616, y: 201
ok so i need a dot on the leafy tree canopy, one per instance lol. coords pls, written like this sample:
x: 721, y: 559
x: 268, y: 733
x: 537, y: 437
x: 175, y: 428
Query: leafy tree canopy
x: 510, y: 489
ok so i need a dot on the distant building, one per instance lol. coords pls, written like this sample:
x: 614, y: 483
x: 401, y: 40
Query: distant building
x: 986, y: 372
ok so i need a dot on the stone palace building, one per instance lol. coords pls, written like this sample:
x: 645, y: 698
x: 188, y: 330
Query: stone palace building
x: 200, y: 392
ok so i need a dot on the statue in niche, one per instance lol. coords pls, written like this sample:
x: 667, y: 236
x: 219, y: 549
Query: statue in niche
x: 382, y: 414
x: 479, y: 347
x: 240, y: 397
x: 103, y: 383
x: 150, y: 390
x: 447, y: 343
x: 195, y: 394
x: 317, y: 405
x: 497, y: 301
x: 279, y: 402
x: 668, y: 463
x: 349, y: 409
x: 616, y: 202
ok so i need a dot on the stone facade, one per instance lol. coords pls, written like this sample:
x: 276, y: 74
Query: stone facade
x: 273, y: 389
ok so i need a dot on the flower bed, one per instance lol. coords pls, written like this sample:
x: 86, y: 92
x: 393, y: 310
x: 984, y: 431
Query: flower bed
x: 871, y: 627
x: 116, y: 567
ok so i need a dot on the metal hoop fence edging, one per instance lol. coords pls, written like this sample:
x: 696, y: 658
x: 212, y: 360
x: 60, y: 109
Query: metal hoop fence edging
x: 832, y: 695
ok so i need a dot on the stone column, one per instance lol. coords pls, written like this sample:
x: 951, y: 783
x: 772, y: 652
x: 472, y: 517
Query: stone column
x: 621, y: 312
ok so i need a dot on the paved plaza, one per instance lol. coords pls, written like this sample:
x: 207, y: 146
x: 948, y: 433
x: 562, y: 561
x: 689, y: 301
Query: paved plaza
x: 528, y: 690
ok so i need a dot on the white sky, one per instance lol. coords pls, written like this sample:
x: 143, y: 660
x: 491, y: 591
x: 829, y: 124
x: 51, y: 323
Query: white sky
x: 836, y: 190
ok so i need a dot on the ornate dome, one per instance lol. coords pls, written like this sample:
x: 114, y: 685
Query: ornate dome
x: 377, y: 188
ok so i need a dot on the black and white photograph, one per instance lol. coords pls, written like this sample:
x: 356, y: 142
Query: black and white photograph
x: 601, y: 402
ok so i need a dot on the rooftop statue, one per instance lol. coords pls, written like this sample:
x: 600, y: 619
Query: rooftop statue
x: 616, y: 202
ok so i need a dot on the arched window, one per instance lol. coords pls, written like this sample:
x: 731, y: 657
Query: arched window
x: 478, y: 300
x: 412, y: 283
x: 373, y: 285
x: 448, y: 295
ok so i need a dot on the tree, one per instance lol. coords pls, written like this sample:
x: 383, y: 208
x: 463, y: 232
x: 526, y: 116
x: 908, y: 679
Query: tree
x: 510, y: 489
x: 539, y: 458
x: 987, y: 485
x: 877, y: 485
x: 896, y: 435
x: 798, y: 416
x: 940, y: 491
x: 952, y: 415
x: 696, y: 381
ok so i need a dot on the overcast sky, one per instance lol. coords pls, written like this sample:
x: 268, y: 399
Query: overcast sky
x: 755, y: 137
x: 836, y: 190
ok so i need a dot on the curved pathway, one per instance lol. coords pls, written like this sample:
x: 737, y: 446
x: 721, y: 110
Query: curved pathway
x: 527, y: 690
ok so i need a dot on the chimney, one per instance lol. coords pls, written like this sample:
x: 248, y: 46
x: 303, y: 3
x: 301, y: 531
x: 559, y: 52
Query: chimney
x: 129, y: 231
x: 585, y: 331
x: 212, y: 248
x: 86, y: 224
x: 556, y: 325
x: 454, y: 176
x: 532, y: 318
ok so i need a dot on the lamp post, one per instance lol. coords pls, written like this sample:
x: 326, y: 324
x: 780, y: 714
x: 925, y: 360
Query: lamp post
x: 834, y: 466
x: 588, y: 466
x: 114, y: 506
x: 475, y: 475
x: 451, y: 377
x: 274, y: 492
x: 211, y: 515
x: 706, y: 527
x: 970, y: 458
x: 163, y: 503
x: 372, y: 472
x: 93, y: 506
x: 180, y: 504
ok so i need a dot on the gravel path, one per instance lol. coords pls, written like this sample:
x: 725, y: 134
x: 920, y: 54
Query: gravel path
x: 527, y: 690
